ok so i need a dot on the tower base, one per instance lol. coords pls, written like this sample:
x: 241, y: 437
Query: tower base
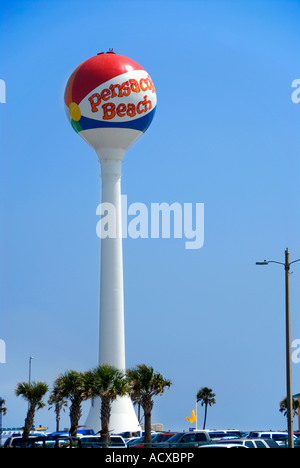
x: 122, y: 418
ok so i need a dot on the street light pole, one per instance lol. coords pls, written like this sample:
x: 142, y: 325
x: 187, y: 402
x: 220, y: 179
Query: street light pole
x: 289, y: 397
x: 29, y: 376
x: 288, y: 351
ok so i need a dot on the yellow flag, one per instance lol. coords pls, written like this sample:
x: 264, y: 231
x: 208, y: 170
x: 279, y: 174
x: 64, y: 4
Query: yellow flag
x: 193, y: 418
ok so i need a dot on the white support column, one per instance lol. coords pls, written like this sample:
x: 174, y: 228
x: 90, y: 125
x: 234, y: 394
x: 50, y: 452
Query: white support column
x: 112, y: 330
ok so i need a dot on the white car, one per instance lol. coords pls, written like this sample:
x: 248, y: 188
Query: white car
x: 279, y: 437
x: 224, y: 434
x: 251, y: 443
x: 223, y: 446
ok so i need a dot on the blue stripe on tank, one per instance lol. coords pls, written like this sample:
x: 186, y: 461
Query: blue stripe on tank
x: 140, y: 124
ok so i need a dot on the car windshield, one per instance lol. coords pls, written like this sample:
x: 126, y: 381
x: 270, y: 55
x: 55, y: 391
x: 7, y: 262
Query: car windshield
x: 167, y: 437
x: 175, y: 437
x: 136, y: 441
x: 157, y: 437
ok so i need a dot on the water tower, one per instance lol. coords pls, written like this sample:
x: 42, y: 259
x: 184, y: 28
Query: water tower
x: 110, y: 101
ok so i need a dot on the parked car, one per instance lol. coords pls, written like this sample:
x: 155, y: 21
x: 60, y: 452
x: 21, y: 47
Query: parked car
x: 139, y: 442
x: 188, y: 439
x: 131, y: 440
x: 161, y: 438
x: 253, y: 443
x: 93, y: 441
x: 130, y: 435
x: 80, y: 433
x: 10, y: 441
x: 44, y: 442
x: 297, y: 443
x: 224, y: 434
x: 227, y: 445
x: 279, y: 437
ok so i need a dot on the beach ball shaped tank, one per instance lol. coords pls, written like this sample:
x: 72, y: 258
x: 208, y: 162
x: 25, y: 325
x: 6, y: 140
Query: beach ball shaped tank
x: 110, y: 101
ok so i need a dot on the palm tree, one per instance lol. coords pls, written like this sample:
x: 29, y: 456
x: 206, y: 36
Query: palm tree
x: 108, y: 383
x: 207, y: 398
x: 283, y: 407
x: 59, y: 404
x: 3, y: 412
x: 72, y: 385
x: 144, y: 384
x: 33, y: 393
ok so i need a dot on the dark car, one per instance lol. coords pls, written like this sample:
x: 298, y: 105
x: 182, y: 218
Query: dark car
x: 297, y: 443
x: 139, y: 442
x: 161, y: 438
x: 188, y: 439
x: 115, y: 441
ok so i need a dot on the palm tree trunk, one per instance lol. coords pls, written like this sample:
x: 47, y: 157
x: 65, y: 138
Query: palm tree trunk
x: 147, y: 406
x: 148, y: 438
x: 205, y: 414
x: 28, y: 421
x: 105, y: 417
x: 57, y: 413
x: 75, y: 414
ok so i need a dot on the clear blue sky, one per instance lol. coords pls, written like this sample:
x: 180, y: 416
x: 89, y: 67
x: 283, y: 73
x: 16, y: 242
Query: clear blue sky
x: 225, y: 133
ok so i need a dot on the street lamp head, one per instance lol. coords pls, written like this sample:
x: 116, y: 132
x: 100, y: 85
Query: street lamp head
x: 262, y: 263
